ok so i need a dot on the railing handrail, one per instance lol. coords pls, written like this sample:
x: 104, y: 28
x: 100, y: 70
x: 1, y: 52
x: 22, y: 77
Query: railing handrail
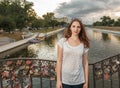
x: 104, y: 59
x: 26, y: 58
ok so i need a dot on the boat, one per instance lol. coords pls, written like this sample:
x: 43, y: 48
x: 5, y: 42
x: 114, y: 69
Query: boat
x: 41, y: 36
x: 35, y: 40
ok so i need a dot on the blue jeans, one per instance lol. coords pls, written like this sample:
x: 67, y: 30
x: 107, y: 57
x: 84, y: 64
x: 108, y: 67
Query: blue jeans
x: 72, y: 86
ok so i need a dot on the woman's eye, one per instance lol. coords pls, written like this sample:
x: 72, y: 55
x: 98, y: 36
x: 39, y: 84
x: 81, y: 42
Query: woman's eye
x: 73, y: 26
x: 78, y: 26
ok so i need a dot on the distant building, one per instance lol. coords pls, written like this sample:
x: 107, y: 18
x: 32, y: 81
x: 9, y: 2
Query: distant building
x: 63, y: 19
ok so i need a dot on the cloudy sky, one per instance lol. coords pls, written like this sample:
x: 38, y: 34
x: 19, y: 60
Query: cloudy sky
x: 87, y: 10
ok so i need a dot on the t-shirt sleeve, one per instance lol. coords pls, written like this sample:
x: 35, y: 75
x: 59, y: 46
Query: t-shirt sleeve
x: 60, y: 42
x: 86, y: 50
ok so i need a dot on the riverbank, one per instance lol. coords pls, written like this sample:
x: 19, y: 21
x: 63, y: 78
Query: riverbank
x: 46, y: 30
x: 18, y: 35
x: 107, y: 28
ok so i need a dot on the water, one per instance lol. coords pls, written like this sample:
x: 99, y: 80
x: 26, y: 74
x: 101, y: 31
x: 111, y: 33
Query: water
x: 102, y: 45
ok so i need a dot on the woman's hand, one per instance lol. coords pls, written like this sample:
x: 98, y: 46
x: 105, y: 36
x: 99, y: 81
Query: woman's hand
x: 59, y: 84
x: 85, y: 85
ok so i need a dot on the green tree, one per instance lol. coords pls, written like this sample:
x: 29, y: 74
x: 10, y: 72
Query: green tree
x: 98, y: 23
x: 31, y: 14
x: 48, y: 19
x: 38, y: 23
x: 20, y: 11
x: 7, y: 24
x: 107, y: 21
x: 4, y: 7
x: 117, y: 23
x: 53, y: 23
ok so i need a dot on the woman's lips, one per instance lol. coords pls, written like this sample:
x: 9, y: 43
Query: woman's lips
x: 75, y: 31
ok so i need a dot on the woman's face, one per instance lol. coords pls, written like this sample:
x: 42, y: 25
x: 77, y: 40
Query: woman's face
x: 75, y: 28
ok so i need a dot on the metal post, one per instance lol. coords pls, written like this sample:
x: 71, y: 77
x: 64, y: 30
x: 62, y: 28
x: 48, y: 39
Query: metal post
x: 21, y: 79
x: 94, y: 82
x: 119, y: 75
x: 31, y: 85
x: 50, y: 84
x: 21, y: 82
x: 119, y: 70
x: 11, y: 81
x: 102, y: 75
x: 1, y: 85
x: 40, y: 82
x: 111, y: 75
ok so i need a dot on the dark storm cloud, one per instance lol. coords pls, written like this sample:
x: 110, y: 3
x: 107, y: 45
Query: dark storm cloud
x: 79, y: 7
x: 82, y: 8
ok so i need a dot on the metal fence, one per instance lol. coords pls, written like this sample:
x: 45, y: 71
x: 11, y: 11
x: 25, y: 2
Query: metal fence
x: 39, y: 73
x: 105, y: 73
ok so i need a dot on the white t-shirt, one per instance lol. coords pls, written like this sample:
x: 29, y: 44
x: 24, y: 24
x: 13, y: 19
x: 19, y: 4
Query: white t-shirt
x: 72, y: 67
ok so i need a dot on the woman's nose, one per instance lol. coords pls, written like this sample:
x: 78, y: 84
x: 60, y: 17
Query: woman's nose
x: 76, y: 28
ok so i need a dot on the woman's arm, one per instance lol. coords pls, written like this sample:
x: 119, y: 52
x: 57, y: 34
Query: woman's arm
x: 85, y: 64
x: 59, y: 66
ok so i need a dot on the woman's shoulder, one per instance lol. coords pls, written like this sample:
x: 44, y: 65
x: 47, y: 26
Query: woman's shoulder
x: 61, y: 42
x: 63, y: 39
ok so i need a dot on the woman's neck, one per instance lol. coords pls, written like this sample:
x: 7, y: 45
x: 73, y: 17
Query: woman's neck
x: 74, y: 37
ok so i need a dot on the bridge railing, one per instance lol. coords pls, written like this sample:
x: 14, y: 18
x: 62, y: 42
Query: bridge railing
x: 105, y: 73
x: 21, y: 73
x: 39, y: 73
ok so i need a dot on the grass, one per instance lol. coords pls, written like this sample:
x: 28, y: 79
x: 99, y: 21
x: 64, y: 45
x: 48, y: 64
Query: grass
x: 45, y: 30
x: 107, y: 28
x: 16, y: 36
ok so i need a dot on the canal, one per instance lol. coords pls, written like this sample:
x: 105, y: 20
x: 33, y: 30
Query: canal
x: 102, y: 45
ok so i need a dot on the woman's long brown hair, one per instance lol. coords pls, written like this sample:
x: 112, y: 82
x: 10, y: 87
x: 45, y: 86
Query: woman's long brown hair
x: 82, y: 35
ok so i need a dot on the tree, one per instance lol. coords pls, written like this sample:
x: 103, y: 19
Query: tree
x: 48, y: 19
x: 20, y: 11
x: 107, y: 21
x: 7, y: 24
x: 38, y: 23
x: 53, y: 23
x: 98, y: 23
x: 4, y: 7
x: 31, y: 14
x: 117, y: 23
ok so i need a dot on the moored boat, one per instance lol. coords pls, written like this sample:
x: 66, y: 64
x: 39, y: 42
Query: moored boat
x: 41, y: 36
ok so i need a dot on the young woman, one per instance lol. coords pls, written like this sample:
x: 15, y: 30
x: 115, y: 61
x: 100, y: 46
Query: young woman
x: 72, y: 62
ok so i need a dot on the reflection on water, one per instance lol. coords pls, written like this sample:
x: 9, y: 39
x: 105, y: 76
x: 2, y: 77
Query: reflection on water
x: 50, y: 41
x: 117, y: 37
x: 47, y: 49
x: 105, y: 37
x: 33, y: 50
x: 102, y: 45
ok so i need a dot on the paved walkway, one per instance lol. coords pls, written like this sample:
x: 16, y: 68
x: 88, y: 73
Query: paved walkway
x: 106, y: 31
x: 5, y: 40
x: 15, y: 44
